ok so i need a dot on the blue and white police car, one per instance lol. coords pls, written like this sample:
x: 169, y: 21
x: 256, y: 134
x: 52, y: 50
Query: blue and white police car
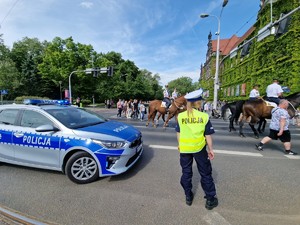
x: 78, y: 142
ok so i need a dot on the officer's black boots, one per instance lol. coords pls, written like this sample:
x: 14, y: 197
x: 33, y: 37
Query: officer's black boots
x: 211, y: 203
x: 189, y: 199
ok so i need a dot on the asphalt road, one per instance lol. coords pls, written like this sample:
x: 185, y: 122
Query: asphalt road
x: 253, y: 187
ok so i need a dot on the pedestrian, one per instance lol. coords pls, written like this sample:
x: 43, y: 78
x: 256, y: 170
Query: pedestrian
x: 129, y: 109
x: 142, y: 110
x: 125, y: 108
x: 254, y: 93
x: 135, y: 109
x: 120, y: 108
x: 274, y: 91
x: 208, y: 108
x: 78, y: 100
x: 194, y: 131
x: 279, y: 128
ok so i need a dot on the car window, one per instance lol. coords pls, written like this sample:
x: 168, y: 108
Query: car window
x: 73, y: 117
x: 8, y: 116
x: 34, y: 119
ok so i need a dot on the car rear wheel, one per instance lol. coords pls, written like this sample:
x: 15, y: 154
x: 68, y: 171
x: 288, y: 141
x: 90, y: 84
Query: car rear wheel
x: 82, y: 168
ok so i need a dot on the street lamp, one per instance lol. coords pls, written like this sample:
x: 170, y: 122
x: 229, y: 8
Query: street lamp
x: 216, y: 79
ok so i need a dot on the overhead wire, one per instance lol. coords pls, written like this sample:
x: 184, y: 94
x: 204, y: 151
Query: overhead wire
x: 9, y: 11
x: 244, y: 24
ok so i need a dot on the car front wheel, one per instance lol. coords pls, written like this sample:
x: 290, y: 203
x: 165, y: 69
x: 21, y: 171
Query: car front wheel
x: 82, y: 168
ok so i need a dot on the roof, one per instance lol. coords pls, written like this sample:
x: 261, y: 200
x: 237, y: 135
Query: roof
x: 245, y: 36
x: 226, y: 45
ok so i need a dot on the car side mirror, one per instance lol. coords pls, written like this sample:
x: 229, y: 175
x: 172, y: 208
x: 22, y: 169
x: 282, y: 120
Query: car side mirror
x: 46, y: 128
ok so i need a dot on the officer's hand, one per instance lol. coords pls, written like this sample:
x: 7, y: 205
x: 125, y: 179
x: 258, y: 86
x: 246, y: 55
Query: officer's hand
x: 211, y: 155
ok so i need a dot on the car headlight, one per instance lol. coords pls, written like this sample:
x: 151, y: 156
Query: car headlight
x: 110, y: 144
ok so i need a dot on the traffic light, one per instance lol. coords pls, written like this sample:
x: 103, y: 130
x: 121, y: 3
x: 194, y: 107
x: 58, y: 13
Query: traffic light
x: 96, y: 71
x: 110, y: 71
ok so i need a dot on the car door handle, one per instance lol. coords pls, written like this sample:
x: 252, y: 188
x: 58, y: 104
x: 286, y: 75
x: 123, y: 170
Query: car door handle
x: 18, y: 135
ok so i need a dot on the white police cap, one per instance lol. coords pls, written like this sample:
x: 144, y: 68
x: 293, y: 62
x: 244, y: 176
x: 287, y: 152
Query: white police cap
x: 194, y: 95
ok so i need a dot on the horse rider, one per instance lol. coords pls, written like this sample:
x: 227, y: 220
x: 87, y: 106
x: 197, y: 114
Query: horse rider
x: 167, y: 97
x: 254, y: 93
x: 174, y: 94
x: 274, y: 92
x: 194, y: 131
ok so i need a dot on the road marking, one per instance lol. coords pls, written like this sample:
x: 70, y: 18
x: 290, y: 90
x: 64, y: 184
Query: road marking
x: 163, y: 147
x: 216, y: 151
x: 292, y: 156
x: 214, y: 218
x: 238, y: 153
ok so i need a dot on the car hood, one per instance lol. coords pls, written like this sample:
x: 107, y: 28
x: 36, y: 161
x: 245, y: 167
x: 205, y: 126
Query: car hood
x: 110, y: 128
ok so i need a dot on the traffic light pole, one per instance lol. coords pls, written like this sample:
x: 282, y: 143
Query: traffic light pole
x: 109, y: 70
x: 70, y: 91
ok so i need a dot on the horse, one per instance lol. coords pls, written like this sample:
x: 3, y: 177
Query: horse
x: 155, y: 106
x: 259, y: 109
x: 236, y: 110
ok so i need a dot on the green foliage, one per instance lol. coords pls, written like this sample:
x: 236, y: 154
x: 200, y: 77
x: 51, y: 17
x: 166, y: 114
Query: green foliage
x: 85, y: 102
x: 183, y: 85
x: 271, y: 57
x: 33, y: 68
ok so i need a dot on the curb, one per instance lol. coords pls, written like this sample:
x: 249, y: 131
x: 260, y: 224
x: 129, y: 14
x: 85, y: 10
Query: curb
x: 12, y: 217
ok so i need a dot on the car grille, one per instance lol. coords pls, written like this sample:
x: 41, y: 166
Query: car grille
x: 133, y: 158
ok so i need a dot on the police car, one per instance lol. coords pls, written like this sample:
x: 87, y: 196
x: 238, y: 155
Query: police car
x: 80, y: 143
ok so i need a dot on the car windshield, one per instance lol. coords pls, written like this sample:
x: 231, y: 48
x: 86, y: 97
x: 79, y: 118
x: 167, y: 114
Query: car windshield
x: 74, y: 118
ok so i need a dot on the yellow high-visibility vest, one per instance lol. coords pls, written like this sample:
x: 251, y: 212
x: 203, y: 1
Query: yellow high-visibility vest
x: 191, y: 139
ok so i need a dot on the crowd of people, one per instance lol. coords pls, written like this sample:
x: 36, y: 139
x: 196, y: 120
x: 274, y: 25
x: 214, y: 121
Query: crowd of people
x: 131, y: 109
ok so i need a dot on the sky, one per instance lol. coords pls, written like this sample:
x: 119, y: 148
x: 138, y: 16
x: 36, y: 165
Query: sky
x: 167, y: 37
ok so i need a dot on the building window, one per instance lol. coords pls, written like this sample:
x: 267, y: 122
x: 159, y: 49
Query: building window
x: 283, y: 25
x: 245, y: 49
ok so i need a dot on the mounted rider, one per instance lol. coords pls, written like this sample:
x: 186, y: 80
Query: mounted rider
x: 167, y: 99
x: 274, y: 92
x: 174, y: 94
x: 254, y: 93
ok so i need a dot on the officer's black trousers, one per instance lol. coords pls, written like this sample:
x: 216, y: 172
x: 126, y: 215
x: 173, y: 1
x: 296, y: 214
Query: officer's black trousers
x: 205, y: 171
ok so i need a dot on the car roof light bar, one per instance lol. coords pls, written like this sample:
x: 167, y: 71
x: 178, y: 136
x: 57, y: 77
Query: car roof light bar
x: 45, y: 102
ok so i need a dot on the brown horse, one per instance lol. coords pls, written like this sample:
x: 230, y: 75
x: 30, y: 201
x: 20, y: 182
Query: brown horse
x: 155, y: 106
x: 258, y: 109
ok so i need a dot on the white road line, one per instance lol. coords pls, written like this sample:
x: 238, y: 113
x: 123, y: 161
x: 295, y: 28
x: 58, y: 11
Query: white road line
x: 238, y: 153
x: 214, y: 218
x: 164, y: 147
x: 216, y: 151
x: 292, y: 156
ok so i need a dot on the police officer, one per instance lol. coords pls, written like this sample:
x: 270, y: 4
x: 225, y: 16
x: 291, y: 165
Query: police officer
x: 167, y: 97
x: 274, y: 91
x: 254, y: 93
x: 194, y: 131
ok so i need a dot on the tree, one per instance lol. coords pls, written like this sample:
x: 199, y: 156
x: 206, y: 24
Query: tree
x: 9, y: 76
x: 183, y: 85
x: 61, y: 58
x: 27, y: 54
